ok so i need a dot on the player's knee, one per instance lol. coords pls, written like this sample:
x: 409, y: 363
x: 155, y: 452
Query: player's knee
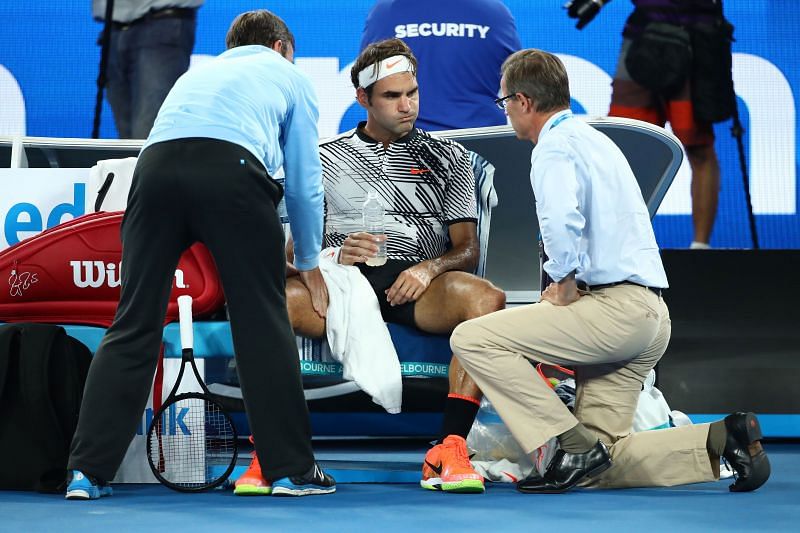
x: 295, y: 301
x: 303, y: 318
x: 496, y: 299
x: 487, y: 300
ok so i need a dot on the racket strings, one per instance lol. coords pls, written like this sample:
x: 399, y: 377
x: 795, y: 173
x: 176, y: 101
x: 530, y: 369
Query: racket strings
x: 192, y: 443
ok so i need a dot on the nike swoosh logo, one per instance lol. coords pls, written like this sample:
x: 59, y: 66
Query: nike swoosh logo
x: 417, y: 171
x: 437, y: 469
x: 511, y: 477
x: 391, y: 65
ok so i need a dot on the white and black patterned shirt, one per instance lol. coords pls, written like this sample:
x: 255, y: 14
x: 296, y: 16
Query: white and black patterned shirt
x: 424, y: 182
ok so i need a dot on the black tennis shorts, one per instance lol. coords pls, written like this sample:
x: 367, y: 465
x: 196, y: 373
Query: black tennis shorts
x: 381, y: 278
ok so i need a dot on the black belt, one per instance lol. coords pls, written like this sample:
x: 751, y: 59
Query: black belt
x: 167, y: 12
x: 583, y: 286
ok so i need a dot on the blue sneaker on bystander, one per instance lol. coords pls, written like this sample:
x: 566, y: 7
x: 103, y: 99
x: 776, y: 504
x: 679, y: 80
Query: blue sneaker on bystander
x: 83, y: 487
x: 315, y: 481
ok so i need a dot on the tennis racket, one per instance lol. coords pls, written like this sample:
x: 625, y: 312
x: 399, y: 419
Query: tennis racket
x: 191, y: 441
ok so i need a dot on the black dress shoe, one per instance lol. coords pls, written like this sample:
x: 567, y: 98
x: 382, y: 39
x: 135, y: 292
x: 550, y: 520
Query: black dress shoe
x: 744, y: 453
x: 566, y: 470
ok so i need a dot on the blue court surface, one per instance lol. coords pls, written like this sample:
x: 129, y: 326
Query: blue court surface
x: 404, y: 506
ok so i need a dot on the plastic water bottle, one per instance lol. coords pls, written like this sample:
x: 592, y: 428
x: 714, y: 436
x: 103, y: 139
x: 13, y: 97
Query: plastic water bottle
x: 374, y: 223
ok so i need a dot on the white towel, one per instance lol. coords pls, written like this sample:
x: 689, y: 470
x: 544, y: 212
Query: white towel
x: 357, y: 334
x: 116, y: 196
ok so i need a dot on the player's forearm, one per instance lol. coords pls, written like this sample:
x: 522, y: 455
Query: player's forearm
x: 464, y: 258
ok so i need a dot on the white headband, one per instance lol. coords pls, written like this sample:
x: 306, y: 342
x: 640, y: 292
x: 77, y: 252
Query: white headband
x: 387, y: 67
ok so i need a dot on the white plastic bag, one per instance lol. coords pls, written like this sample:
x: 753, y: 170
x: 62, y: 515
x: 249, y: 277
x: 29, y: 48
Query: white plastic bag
x: 491, y: 441
x: 652, y: 411
x: 494, y: 446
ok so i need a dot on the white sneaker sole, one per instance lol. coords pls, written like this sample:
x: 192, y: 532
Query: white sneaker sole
x: 433, y: 483
x: 311, y: 491
x: 78, y: 494
x: 84, y: 494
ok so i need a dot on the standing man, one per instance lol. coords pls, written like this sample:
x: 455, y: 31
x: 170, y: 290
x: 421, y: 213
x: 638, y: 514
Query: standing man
x: 204, y: 174
x: 631, y: 99
x: 461, y: 40
x: 603, y: 315
x: 427, y: 186
x: 151, y: 45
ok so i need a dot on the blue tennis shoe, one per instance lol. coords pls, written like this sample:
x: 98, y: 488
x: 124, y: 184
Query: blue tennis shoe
x: 83, y: 487
x: 315, y: 481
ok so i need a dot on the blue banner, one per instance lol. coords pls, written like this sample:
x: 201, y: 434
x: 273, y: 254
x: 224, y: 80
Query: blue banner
x: 49, y: 60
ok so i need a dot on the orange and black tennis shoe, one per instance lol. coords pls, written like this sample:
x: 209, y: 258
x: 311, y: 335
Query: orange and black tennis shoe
x: 252, y: 482
x: 447, y: 468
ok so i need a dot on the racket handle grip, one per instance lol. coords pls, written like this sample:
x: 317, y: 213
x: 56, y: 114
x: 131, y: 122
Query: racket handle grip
x: 185, y: 319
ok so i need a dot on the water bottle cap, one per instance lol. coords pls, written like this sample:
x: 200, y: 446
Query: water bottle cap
x: 372, y: 194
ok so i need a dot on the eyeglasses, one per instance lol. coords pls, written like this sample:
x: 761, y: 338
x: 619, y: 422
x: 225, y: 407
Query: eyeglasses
x: 503, y: 102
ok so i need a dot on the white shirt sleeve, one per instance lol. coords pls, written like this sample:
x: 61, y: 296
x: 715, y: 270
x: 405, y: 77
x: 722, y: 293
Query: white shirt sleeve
x: 558, y: 193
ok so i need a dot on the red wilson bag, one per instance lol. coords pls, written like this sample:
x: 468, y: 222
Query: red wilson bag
x: 70, y: 274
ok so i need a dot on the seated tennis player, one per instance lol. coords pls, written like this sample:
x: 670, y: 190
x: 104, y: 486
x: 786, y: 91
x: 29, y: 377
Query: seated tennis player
x: 427, y: 186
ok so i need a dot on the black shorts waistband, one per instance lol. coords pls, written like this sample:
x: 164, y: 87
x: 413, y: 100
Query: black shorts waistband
x: 583, y: 286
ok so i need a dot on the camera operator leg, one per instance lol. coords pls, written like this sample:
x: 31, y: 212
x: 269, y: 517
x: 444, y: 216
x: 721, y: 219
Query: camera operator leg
x: 705, y: 190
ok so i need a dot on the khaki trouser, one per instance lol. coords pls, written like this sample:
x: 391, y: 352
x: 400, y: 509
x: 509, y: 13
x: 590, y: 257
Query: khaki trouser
x: 612, y: 337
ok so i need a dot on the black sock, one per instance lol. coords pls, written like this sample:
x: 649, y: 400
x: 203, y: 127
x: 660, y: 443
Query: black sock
x: 717, y: 436
x: 459, y: 414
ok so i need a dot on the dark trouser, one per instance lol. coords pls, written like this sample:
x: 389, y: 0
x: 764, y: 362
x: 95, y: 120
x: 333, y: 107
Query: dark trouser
x: 144, y: 61
x: 217, y: 193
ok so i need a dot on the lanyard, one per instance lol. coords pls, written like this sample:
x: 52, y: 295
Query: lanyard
x: 560, y: 119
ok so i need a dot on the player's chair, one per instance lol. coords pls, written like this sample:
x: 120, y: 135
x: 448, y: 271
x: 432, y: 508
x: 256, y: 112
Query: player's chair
x: 509, y: 259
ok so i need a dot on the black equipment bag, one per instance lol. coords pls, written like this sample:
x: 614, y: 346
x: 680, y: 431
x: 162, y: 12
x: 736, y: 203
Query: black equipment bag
x: 42, y: 374
x: 713, y: 97
x: 660, y: 59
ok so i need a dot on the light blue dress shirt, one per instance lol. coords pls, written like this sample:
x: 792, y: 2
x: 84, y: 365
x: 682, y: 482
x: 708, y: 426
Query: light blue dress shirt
x: 591, y: 213
x: 253, y: 97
